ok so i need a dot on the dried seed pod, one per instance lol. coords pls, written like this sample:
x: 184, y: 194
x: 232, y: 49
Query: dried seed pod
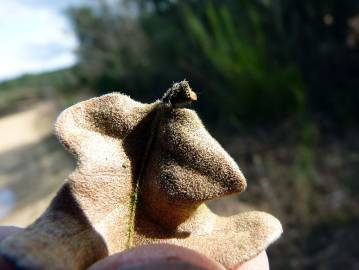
x: 144, y: 172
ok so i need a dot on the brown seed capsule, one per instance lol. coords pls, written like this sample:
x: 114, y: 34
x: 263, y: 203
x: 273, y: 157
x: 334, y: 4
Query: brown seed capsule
x: 144, y: 172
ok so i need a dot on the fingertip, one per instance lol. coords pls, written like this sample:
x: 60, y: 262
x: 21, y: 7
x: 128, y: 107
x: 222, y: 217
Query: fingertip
x: 260, y: 262
x: 146, y: 255
x: 6, y: 231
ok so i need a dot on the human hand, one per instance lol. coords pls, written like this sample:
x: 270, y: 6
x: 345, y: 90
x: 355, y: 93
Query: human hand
x: 151, y: 257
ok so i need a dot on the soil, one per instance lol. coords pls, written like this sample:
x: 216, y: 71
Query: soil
x: 33, y: 165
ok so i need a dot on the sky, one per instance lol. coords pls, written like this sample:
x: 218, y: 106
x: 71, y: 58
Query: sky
x: 35, y: 36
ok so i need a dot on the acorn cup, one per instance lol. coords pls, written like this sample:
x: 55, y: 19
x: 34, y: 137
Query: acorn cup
x: 143, y: 175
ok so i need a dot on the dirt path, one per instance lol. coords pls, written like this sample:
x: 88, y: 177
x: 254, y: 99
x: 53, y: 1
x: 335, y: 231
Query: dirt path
x: 26, y: 127
x: 33, y: 165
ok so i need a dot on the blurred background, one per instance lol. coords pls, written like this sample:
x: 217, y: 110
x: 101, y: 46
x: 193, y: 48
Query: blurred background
x: 278, y: 86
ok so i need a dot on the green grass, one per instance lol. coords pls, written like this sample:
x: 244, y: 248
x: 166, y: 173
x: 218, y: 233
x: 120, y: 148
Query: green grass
x: 27, y: 88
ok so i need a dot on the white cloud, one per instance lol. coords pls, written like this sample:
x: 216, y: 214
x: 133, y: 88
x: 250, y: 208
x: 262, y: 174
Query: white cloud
x: 33, y: 39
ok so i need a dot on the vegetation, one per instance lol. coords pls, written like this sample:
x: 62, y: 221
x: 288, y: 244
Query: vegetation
x: 265, y: 61
x: 26, y: 89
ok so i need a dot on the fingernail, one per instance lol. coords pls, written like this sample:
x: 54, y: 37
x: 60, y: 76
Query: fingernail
x: 158, y: 265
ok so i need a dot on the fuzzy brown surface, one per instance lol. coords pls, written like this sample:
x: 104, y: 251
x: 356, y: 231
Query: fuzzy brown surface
x: 165, y: 151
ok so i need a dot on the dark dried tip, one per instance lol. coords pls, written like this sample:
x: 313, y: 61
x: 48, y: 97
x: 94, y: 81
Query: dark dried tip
x: 179, y: 94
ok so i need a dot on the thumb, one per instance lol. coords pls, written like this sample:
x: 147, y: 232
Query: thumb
x: 158, y: 256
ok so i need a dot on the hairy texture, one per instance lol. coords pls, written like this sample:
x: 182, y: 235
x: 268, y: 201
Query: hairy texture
x: 144, y: 172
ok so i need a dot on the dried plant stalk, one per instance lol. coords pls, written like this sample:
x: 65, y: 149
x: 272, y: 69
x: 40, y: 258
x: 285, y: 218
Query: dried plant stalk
x: 144, y: 172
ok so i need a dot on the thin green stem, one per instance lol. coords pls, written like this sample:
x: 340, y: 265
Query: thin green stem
x: 135, y: 196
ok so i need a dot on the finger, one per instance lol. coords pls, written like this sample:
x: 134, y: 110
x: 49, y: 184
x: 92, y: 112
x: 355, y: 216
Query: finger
x: 257, y: 263
x: 6, y: 231
x: 160, y: 256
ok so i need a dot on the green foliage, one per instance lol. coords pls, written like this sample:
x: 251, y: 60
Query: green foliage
x: 264, y: 61
x: 113, y: 48
x: 254, y: 90
x: 54, y: 78
x: 28, y: 88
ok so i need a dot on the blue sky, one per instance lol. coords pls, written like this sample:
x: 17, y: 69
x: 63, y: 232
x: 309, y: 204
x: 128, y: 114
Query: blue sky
x: 35, y: 36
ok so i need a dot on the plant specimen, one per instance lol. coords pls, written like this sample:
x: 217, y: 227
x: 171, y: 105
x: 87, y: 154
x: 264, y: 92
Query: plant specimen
x: 144, y: 172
